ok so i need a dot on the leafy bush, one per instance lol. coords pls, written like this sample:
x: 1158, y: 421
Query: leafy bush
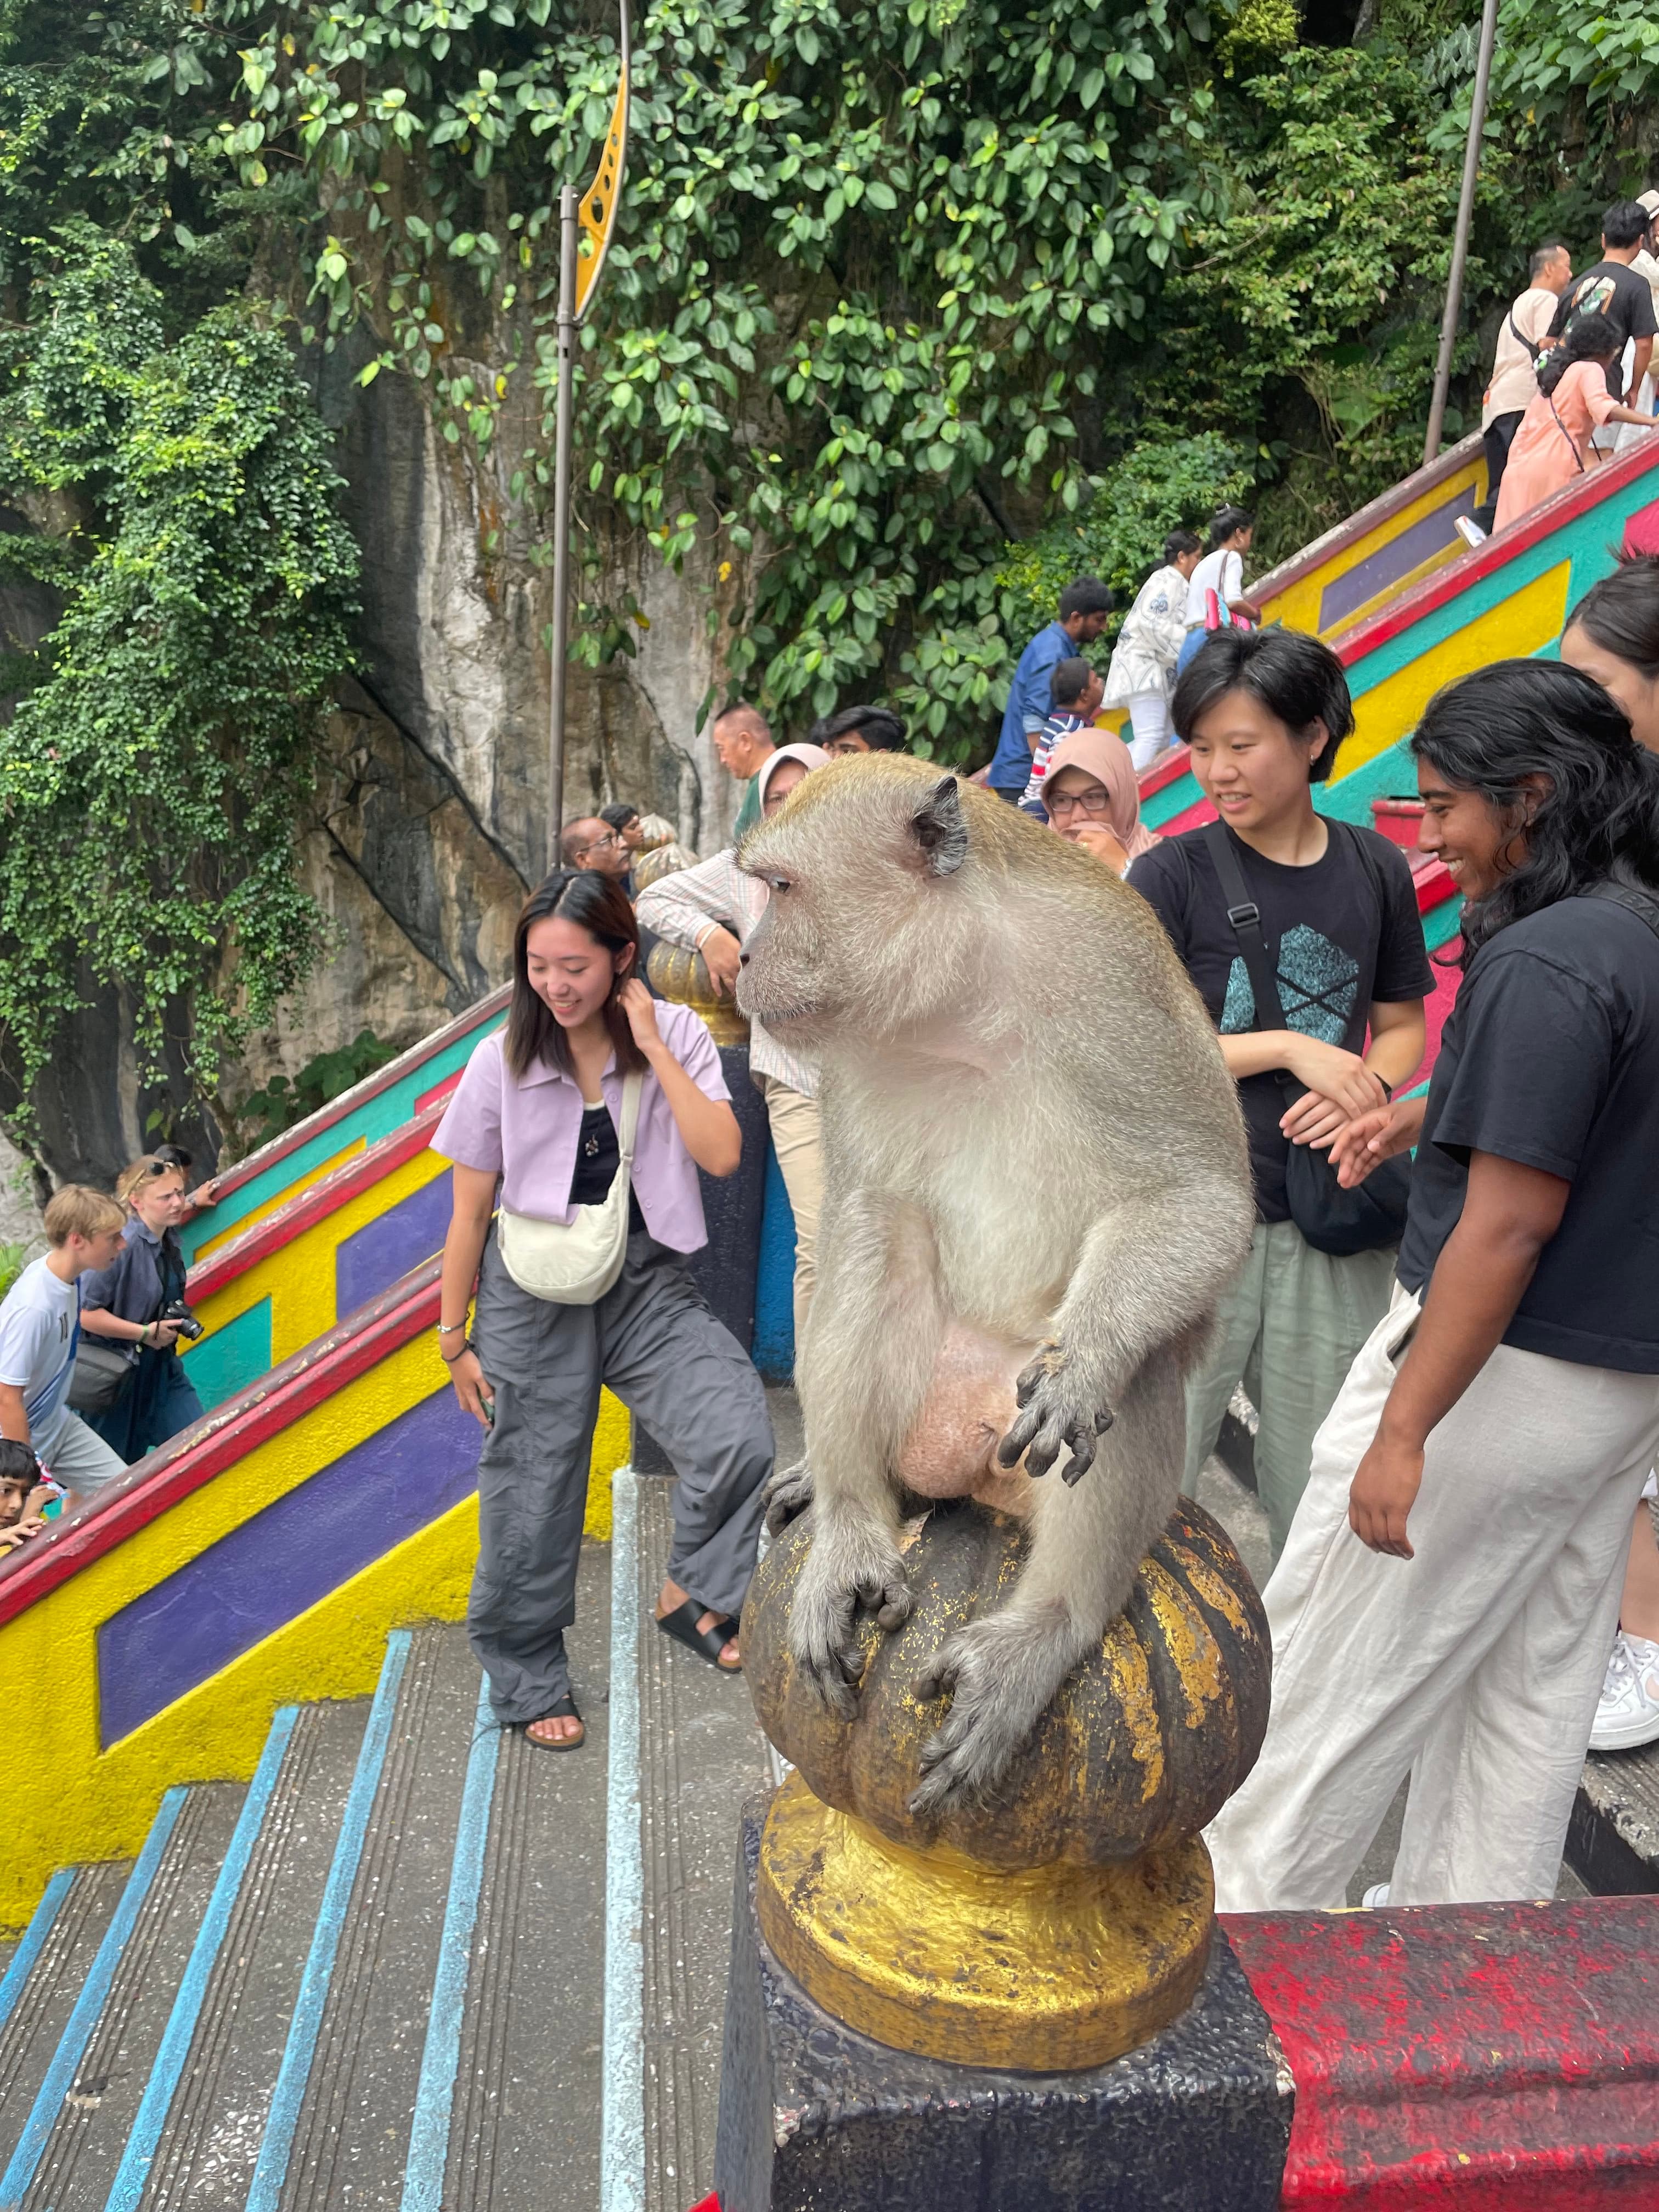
x: 283, y: 1102
x: 13, y: 1258
x: 1163, y: 483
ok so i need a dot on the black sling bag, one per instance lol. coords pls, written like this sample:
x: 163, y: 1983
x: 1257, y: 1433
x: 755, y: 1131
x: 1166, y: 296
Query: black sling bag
x: 1340, y: 1222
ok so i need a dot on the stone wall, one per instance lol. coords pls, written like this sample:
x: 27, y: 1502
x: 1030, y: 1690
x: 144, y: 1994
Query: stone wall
x: 430, y: 819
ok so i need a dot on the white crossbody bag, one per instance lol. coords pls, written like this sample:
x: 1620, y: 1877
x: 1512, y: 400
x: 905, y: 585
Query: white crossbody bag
x: 574, y: 1263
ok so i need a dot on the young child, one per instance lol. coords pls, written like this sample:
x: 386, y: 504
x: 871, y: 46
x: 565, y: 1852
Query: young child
x: 25, y: 1493
x: 39, y: 1328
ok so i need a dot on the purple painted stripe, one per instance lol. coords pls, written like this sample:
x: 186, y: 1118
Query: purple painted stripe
x: 271, y: 1569
x: 1432, y: 533
x: 389, y: 1246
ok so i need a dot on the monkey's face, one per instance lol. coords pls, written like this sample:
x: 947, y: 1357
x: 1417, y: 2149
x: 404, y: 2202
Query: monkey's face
x: 864, y: 865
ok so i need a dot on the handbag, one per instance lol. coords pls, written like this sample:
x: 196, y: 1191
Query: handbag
x: 100, y: 1375
x: 1340, y: 1222
x: 574, y: 1263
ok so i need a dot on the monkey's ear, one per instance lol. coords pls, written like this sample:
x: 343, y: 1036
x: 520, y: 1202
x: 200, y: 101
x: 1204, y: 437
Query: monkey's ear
x: 940, y: 830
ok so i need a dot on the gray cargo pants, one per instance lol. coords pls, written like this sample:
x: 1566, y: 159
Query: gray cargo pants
x: 652, y: 1340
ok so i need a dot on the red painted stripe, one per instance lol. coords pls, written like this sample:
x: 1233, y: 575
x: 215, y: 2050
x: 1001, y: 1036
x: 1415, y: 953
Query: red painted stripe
x: 1367, y: 518
x: 371, y: 1087
x: 227, y: 1434
x: 312, y: 1205
x: 1564, y: 506
x: 1169, y: 768
x: 1483, y: 2058
x: 439, y: 1091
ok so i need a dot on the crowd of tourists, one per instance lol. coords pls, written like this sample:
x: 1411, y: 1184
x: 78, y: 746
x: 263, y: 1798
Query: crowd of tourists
x: 1448, y: 1323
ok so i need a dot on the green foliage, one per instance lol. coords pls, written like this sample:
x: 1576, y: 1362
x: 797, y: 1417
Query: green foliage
x: 1163, y: 483
x: 152, y: 778
x: 282, y: 1102
x: 13, y: 1258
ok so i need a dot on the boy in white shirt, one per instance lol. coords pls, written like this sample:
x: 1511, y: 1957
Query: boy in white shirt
x: 40, y: 1327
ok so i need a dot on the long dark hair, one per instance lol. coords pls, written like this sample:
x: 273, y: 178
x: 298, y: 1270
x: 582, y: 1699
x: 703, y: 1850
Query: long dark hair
x: 1589, y: 339
x: 1593, y: 814
x: 1621, y: 613
x: 599, y: 904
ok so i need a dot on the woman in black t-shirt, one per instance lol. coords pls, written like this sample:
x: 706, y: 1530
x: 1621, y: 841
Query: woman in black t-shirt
x: 1336, y: 913
x: 1446, y: 1598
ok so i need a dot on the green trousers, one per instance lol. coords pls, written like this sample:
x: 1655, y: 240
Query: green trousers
x: 1289, y: 1330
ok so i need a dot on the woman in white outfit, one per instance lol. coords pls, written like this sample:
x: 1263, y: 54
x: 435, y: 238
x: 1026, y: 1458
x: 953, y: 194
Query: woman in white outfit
x: 1142, y: 673
x: 1446, y: 1599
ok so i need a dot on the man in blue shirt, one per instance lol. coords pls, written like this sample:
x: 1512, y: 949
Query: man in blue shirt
x: 1084, y: 607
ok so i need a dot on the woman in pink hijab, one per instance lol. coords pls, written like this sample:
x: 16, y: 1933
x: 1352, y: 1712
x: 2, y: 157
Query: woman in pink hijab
x: 1093, y: 798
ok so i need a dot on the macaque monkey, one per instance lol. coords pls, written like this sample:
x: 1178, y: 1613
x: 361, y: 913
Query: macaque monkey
x: 1035, y: 1188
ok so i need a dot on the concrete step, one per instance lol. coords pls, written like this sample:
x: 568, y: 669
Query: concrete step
x: 45, y: 1976
x: 340, y: 2125
x: 1613, y: 1845
x: 71, y: 2140
x: 213, y: 2112
x: 529, y: 2077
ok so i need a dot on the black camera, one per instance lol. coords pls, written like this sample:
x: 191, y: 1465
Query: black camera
x: 189, y: 1328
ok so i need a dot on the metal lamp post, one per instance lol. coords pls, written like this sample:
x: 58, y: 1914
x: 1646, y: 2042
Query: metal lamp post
x: 1461, y: 240
x: 592, y: 213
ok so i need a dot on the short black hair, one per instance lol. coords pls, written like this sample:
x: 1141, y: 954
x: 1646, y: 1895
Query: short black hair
x: 1296, y: 678
x: 1226, y: 522
x: 881, y: 729
x: 1087, y: 595
x: 619, y: 814
x: 1181, y: 541
x: 1070, y: 680
x: 1544, y: 254
x: 1626, y: 222
x: 18, y: 1463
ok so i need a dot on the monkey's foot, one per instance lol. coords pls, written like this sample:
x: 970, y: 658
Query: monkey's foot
x: 1000, y: 1674
x: 1058, y: 1408
x: 788, y: 1494
x: 851, y: 1564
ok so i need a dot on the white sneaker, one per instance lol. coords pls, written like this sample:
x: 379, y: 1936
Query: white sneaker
x: 1628, y: 1714
x: 1468, y: 530
x: 1376, y: 1897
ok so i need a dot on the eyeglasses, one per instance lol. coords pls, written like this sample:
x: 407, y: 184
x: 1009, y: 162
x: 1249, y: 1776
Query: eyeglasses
x: 1096, y: 801
x: 608, y: 843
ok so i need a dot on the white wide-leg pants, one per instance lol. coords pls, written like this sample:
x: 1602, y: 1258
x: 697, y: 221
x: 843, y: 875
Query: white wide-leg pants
x: 1474, y: 1666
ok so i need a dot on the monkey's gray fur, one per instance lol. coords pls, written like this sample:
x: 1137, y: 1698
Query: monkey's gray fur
x: 1030, y: 1145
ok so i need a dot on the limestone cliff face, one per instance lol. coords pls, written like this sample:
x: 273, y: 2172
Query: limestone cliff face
x: 430, y: 816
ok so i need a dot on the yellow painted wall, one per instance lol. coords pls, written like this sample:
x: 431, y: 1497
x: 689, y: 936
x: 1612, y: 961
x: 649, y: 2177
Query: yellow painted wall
x: 299, y: 1277
x: 301, y: 1182
x: 63, y: 1798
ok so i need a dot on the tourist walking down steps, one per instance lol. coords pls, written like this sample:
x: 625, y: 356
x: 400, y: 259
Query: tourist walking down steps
x: 590, y: 1113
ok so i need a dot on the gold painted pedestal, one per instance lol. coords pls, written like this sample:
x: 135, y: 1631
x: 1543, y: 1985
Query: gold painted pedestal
x: 1047, y: 1971
x: 1068, y: 1923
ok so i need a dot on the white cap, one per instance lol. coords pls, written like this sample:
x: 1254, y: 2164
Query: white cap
x: 1649, y: 201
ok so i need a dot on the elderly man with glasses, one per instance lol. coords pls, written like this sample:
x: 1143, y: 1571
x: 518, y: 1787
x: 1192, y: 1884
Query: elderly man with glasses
x: 591, y: 843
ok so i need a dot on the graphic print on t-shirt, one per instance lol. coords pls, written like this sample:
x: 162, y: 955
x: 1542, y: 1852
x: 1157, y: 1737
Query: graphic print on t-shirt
x: 1318, y: 988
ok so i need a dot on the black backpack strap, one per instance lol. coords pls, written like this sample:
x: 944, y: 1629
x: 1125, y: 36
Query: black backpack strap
x: 1245, y: 915
x: 1642, y: 904
x: 1521, y: 339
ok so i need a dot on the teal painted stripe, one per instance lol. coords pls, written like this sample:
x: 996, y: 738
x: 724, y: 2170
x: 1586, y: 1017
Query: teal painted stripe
x: 180, y: 2031
x: 1442, y: 923
x: 392, y: 1108
x: 434, y: 2096
x: 1175, y: 799
x: 300, y: 2052
x: 622, y: 2126
x: 30, y: 1944
x: 233, y: 1356
x: 88, y: 2008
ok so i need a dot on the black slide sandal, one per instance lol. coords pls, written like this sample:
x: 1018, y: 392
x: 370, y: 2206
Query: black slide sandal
x: 682, y: 1625
x: 564, y: 1711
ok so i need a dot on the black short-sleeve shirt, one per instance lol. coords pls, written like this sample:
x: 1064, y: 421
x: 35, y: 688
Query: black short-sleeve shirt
x: 1620, y: 296
x: 1551, y: 1058
x: 1345, y: 934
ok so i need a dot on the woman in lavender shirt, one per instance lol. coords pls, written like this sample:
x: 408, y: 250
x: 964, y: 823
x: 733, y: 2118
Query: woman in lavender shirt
x: 535, y: 1117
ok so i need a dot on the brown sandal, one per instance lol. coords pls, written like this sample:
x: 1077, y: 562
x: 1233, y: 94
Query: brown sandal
x: 564, y: 1711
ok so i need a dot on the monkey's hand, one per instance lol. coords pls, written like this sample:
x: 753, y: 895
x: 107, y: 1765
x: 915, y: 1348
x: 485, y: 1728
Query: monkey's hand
x: 853, y: 1563
x: 786, y: 1496
x: 1057, y: 1407
x: 1000, y: 1674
